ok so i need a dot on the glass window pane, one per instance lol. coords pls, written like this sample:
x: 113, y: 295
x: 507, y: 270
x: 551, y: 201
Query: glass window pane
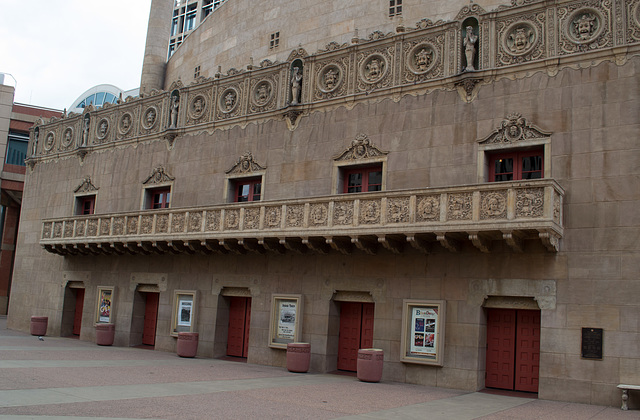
x: 375, y: 181
x: 355, y: 179
x: 99, y: 98
x: 257, y: 187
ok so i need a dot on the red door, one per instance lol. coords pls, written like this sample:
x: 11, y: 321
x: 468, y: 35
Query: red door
x: 150, y: 319
x: 513, y: 349
x: 527, y: 351
x: 77, y: 318
x: 239, y: 321
x: 356, y: 332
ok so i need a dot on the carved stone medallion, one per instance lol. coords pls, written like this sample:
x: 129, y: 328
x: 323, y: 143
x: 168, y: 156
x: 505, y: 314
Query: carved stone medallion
x: 422, y: 58
x: 369, y: 212
x: 195, y: 222
x: 584, y: 25
x: 125, y: 124
x: 67, y: 137
x: 262, y: 93
x: 102, y: 130
x: 374, y: 68
x: 229, y: 100
x: 49, y: 141
x: 150, y: 117
x: 231, y: 219
x: 330, y: 78
x: 318, y: 215
x: 428, y: 208
x: 493, y: 205
x: 519, y: 38
x: 197, y: 107
x: 272, y: 217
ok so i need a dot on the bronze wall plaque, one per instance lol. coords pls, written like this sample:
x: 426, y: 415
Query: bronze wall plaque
x: 592, y: 342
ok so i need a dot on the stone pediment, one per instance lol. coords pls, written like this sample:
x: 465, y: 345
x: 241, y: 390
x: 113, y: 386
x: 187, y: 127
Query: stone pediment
x: 513, y: 129
x: 361, y: 148
x: 86, y: 186
x: 245, y: 165
x: 158, y: 176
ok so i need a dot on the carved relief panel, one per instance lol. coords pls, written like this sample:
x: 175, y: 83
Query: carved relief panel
x: 331, y: 78
x: 375, y: 68
x: 585, y: 26
x: 493, y: 205
x: 424, y: 58
x: 263, y: 94
x: 343, y: 213
x: 428, y: 208
x: 369, y: 212
x: 212, y: 220
x: 633, y: 17
x: 529, y: 202
x: 229, y: 101
x: 49, y: 143
x: 459, y: 206
x: 295, y: 216
x: 318, y: 215
x: 199, y: 105
x: 150, y: 120
x: 398, y: 210
x: 104, y: 129
x: 125, y: 122
x: 521, y: 38
x: 273, y: 217
x: 67, y: 142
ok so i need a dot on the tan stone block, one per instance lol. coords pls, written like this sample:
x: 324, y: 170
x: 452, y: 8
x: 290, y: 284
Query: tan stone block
x: 629, y: 371
x: 621, y: 344
x: 462, y: 335
x: 421, y: 374
x: 600, y: 266
x: 623, y: 292
x: 564, y: 390
x: 630, y: 318
x: 593, y: 316
x: 556, y: 318
x: 606, y: 394
x: 563, y: 341
x: 457, y: 378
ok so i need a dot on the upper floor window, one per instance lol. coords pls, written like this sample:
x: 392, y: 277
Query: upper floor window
x: 516, y: 150
x: 158, y: 198
x: 248, y: 189
x: 85, y: 204
x: 17, y: 148
x: 274, y: 40
x: 516, y: 165
x: 364, y: 179
x: 395, y: 8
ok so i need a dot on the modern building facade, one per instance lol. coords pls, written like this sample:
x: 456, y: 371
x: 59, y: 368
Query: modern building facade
x: 457, y: 185
x: 15, y: 121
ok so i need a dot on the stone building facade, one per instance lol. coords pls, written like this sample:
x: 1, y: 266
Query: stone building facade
x: 447, y: 190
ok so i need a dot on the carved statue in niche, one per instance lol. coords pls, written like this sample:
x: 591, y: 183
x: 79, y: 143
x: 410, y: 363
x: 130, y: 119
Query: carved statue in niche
x: 585, y: 26
x: 85, y: 131
x: 229, y: 100
x: 175, y: 104
x: 330, y: 79
x: 469, y: 44
x: 423, y: 59
x: 36, y: 135
x: 296, y: 80
x: 374, y: 69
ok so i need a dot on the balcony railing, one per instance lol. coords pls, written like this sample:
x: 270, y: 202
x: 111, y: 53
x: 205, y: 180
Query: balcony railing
x: 513, y: 212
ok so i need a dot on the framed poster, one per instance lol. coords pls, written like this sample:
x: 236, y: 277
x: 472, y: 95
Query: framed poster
x: 423, y: 332
x: 104, y: 305
x: 286, y: 320
x: 183, y: 313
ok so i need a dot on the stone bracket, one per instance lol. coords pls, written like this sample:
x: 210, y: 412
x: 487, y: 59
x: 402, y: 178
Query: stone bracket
x: 448, y: 242
x: 365, y: 245
x: 390, y: 243
x: 550, y: 240
x: 480, y: 241
x: 339, y: 245
x: 513, y: 240
x: 418, y: 243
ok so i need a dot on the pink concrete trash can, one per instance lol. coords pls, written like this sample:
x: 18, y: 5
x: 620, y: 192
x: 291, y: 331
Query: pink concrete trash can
x: 370, y: 365
x: 105, y: 333
x: 298, y: 357
x: 38, y: 325
x: 187, y: 344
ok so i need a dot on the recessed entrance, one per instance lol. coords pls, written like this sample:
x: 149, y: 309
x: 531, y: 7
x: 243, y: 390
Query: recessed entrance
x: 71, y: 325
x: 356, y: 332
x: 77, y: 316
x: 150, y: 318
x: 239, y: 322
x: 513, y: 349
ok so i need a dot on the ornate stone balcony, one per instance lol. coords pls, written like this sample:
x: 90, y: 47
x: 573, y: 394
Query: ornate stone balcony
x: 511, y: 211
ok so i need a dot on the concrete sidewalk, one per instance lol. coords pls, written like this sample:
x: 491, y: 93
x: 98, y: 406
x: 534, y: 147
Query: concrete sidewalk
x: 63, y: 378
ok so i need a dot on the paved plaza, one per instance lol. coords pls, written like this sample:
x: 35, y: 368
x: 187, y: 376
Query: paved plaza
x: 67, y: 378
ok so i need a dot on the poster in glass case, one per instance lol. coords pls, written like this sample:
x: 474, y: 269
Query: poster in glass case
x: 104, y: 309
x: 423, y: 332
x: 286, y: 314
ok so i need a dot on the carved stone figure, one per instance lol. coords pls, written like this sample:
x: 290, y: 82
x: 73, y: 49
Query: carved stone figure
x: 85, y: 131
x: 330, y: 79
x: 262, y: 93
x: 229, y: 100
x: 48, y: 141
x: 125, y: 123
x: 520, y: 40
x: 198, y: 105
x: 585, y: 26
x: 470, y: 48
x: 151, y: 117
x: 175, y: 104
x: 103, y: 128
x: 423, y: 59
x: 67, y: 137
x: 374, y: 69
x: 296, y: 80
x: 36, y: 135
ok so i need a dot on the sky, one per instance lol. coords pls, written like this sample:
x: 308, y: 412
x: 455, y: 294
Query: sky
x: 57, y: 49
